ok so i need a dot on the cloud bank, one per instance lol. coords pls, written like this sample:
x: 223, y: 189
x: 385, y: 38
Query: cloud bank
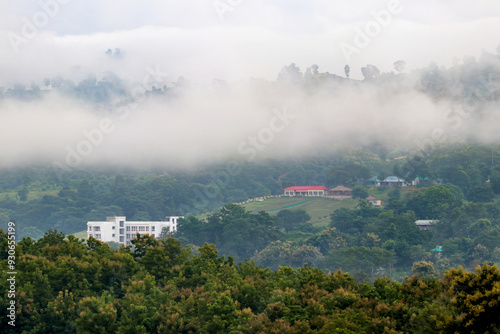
x: 232, y: 41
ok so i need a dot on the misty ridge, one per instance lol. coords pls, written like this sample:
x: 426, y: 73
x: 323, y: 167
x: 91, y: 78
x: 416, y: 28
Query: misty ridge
x: 154, y: 121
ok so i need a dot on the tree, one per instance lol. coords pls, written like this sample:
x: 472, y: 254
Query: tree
x: 23, y: 194
x: 371, y: 240
x: 359, y: 261
x: 314, y: 69
x: 141, y: 244
x: 286, y: 253
x: 347, y: 70
x: 346, y: 220
x: 290, y: 74
x: 237, y: 232
x: 481, y: 194
x: 370, y: 72
x: 359, y: 192
x: 424, y: 269
x: 291, y: 218
x: 243, y: 236
x: 96, y: 315
x: 432, y: 202
x: 399, y: 65
x: 347, y: 175
x: 476, y: 297
x: 191, y: 230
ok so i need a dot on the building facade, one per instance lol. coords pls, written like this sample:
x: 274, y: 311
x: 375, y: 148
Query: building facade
x: 393, y: 181
x: 339, y: 192
x: 425, y: 224
x: 307, y: 191
x: 118, y: 229
x: 377, y: 203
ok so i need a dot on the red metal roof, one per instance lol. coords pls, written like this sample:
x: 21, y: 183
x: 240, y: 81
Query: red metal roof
x: 306, y: 188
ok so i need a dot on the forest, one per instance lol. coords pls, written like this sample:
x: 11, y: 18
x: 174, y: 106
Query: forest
x: 157, y: 286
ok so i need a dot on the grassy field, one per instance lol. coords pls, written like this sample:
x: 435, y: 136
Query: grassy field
x: 318, y: 208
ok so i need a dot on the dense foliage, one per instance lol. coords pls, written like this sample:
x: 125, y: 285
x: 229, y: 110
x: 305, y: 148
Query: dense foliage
x: 156, y: 286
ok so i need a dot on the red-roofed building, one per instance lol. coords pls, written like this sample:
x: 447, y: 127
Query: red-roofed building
x: 307, y: 191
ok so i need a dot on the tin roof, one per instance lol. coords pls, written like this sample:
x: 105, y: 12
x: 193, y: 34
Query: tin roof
x: 341, y: 188
x: 306, y: 188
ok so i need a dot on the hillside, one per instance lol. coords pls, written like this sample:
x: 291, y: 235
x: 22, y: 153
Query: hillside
x: 318, y: 208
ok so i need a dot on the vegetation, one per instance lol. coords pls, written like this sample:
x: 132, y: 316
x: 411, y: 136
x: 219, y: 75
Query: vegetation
x: 284, y: 263
x: 67, y: 286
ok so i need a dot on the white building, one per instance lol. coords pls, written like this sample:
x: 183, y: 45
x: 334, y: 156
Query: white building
x: 425, y: 224
x: 118, y: 229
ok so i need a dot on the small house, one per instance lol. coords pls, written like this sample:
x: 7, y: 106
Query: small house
x: 392, y: 181
x: 425, y: 224
x: 377, y: 203
x: 341, y: 192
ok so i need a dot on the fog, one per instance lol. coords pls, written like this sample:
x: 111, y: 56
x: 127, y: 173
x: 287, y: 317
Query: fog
x: 201, y: 41
x: 211, y: 124
x: 246, y: 45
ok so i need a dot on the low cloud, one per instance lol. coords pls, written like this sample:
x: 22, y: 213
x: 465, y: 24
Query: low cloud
x: 213, y: 123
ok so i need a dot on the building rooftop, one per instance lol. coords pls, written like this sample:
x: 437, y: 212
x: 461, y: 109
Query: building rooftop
x: 341, y: 188
x: 426, y: 222
x: 393, y: 179
x: 305, y: 188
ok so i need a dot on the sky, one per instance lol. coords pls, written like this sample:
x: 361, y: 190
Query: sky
x: 238, y: 39
x: 234, y: 41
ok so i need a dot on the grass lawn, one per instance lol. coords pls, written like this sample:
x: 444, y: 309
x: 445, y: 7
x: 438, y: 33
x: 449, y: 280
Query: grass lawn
x: 318, y: 208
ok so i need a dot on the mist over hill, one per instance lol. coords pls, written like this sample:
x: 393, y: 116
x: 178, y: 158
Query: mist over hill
x: 112, y: 122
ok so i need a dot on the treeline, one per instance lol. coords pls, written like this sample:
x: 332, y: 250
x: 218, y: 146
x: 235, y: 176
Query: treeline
x: 475, y: 83
x: 366, y: 241
x: 38, y: 200
x: 66, y: 286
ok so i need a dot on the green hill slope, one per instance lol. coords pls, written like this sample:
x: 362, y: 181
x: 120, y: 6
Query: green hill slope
x: 318, y: 208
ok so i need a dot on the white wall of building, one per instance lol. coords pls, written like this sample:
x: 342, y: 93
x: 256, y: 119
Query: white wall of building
x: 119, y: 230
